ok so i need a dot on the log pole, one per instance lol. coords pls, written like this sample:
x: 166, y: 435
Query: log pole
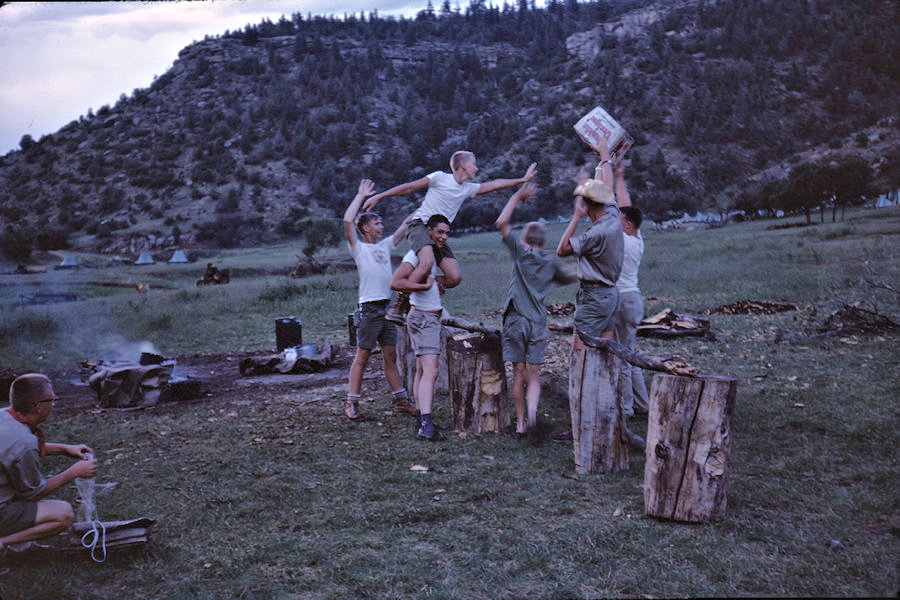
x: 597, y: 435
x: 477, y: 376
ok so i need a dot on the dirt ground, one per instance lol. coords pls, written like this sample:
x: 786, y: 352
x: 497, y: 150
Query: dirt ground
x: 218, y: 375
x: 221, y: 381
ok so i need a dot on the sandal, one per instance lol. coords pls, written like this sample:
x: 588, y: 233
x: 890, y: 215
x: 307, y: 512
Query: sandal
x: 351, y: 410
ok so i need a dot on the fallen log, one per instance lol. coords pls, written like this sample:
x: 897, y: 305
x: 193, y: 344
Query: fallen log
x: 461, y: 323
x: 644, y: 361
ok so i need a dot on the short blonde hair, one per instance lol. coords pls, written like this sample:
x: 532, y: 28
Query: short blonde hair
x: 458, y: 157
x: 535, y: 234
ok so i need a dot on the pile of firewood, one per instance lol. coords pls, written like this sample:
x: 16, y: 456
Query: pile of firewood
x: 751, y: 307
x: 214, y: 276
x: 561, y: 309
x: 668, y: 323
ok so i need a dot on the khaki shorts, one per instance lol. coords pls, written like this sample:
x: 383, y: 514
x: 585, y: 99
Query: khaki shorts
x: 595, y: 309
x: 424, y: 331
x: 17, y: 515
x: 524, y: 340
x: 372, y: 327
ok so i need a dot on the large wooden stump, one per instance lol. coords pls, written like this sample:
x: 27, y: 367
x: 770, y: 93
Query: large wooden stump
x: 597, y: 422
x: 688, y: 447
x: 477, y: 376
x: 406, y: 362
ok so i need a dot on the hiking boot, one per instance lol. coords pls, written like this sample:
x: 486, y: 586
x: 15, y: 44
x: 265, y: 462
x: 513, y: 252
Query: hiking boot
x: 404, y: 406
x: 429, y: 431
x: 396, y: 313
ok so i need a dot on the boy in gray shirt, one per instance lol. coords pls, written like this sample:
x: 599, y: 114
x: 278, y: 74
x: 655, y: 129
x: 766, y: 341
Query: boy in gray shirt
x: 524, y: 330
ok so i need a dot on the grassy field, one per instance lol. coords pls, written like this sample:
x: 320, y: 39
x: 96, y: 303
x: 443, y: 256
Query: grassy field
x: 270, y: 493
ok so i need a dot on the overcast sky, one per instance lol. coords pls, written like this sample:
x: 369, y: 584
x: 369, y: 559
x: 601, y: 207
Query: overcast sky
x: 61, y: 58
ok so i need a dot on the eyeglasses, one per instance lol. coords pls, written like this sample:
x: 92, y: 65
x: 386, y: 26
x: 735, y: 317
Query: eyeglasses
x: 50, y: 400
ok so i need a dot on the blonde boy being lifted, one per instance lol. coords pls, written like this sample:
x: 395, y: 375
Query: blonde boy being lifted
x: 445, y: 194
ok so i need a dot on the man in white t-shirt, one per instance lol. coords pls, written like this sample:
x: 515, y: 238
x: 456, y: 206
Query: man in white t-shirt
x: 424, y: 326
x: 445, y: 194
x: 631, y: 312
x: 373, y: 263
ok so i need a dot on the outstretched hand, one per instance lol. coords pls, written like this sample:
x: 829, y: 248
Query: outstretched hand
x: 530, y: 173
x: 366, y: 188
x: 527, y: 192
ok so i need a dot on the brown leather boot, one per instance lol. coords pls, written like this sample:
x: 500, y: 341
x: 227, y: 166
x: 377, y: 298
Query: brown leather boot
x: 404, y: 406
x: 397, y: 311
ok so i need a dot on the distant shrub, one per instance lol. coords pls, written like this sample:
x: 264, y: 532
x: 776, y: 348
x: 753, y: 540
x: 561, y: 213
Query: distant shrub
x: 15, y: 244
x: 28, y: 325
x: 280, y: 293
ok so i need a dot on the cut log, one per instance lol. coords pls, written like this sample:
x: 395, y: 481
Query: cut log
x: 406, y: 362
x: 688, y: 447
x: 597, y: 434
x: 478, y: 395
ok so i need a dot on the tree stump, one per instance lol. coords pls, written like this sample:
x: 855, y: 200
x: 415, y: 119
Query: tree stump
x: 597, y: 423
x: 406, y: 362
x: 688, y: 447
x: 478, y: 396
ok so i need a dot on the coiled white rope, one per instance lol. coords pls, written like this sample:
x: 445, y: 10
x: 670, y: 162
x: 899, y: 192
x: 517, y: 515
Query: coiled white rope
x: 87, y: 511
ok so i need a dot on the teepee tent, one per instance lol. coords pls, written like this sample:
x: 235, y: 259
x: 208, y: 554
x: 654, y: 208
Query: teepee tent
x: 144, y: 259
x: 69, y: 261
x: 178, y: 257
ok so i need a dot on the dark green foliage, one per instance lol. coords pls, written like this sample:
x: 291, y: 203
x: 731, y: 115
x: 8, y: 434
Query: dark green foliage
x: 320, y: 233
x: 715, y: 94
x: 15, y: 244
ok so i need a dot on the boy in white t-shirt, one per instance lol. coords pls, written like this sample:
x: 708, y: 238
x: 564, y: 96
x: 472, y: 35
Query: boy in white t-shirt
x: 424, y: 326
x: 444, y: 196
x: 373, y: 262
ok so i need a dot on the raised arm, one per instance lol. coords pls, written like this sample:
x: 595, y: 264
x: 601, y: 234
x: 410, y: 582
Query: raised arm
x: 523, y: 194
x: 401, y: 231
x: 398, y: 190
x: 499, y: 184
x: 623, y: 198
x: 604, y: 170
x: 565, y: 246
x: 366, y: 187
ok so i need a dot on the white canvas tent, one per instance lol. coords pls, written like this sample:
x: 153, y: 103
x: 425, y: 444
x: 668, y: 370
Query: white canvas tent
x: 68, y: 262
x: 178, y: 257
x: 144, y: 259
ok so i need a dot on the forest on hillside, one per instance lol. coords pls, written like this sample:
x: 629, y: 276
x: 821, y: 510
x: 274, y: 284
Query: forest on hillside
x: 264, y: 133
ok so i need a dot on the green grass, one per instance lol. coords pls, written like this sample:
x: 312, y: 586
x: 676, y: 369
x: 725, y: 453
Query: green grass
x: 271, y: 493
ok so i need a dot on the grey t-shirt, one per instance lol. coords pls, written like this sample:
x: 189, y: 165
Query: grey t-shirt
x: 600, y: 250
x: 20, y: 474
x: 532, y: 274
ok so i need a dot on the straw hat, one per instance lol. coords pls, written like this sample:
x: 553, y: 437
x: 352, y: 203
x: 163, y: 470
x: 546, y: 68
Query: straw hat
x: 594, y: 191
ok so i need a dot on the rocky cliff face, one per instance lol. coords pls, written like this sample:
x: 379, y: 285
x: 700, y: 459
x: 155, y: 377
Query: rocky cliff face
x: 245, y: 137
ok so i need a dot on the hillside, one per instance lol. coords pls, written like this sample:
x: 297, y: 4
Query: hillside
x: 264, y: 133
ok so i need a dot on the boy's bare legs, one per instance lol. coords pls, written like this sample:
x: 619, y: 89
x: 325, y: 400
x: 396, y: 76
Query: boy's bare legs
x: 426, y: 262
x: 533, y: 393
x: 526, y: 394
x: 452, y: 276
